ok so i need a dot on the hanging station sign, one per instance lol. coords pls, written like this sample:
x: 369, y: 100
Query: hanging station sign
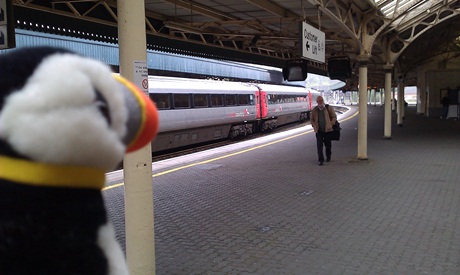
x: 313, y: 43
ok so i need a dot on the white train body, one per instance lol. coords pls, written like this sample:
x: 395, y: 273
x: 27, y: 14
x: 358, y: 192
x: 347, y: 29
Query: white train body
x: 193, y: 111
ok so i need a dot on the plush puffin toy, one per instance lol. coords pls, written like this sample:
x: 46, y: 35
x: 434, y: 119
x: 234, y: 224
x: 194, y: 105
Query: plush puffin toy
x: 64, y: 121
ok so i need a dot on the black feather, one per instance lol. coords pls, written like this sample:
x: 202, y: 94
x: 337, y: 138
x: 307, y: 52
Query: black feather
x: 50, y: 230
x: 18, y: 65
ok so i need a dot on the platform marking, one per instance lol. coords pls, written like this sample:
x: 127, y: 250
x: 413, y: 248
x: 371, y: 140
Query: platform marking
x: 224, y: 156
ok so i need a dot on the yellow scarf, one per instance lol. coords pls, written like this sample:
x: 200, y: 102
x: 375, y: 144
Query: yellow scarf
x: 50, y: 175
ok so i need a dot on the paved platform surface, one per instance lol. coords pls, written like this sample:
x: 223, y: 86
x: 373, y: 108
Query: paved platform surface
x: 274, y: 210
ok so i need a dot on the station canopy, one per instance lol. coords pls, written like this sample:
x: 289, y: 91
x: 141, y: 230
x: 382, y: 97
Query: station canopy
x: 412, y: 8
x: 407, y: 33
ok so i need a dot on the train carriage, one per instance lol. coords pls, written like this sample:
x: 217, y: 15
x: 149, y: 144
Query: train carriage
x: 193, y: 111
x: 286, y: 104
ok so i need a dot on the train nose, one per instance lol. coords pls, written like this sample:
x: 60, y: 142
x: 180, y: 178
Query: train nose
x: 142, y: 124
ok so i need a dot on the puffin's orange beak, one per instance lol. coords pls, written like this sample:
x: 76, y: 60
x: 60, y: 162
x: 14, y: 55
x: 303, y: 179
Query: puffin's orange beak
x: 143, y: 116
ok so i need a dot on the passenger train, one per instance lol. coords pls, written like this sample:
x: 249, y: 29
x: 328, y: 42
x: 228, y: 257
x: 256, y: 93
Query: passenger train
x: 194, y: 111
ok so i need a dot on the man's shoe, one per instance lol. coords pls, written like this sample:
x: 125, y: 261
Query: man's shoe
x: 320, y: 163
x: 328, y: 160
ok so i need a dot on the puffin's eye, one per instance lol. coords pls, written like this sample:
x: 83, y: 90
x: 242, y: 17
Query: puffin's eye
x: 102, y: 105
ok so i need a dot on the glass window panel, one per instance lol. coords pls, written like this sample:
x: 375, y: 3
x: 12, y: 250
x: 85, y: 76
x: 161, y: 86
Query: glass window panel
x: 217, y: 100
x: 161, y: 101
x: 244, y: 100
x: 272, y: 99
x: 181, y: 101
x: 230, y: 100
x: 200, y: 100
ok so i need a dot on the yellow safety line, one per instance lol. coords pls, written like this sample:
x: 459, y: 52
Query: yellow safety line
x: 113, y: 186
x: 224, y: 156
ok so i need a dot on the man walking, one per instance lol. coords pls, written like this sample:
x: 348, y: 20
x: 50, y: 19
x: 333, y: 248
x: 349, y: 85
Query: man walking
x: 322, y: 119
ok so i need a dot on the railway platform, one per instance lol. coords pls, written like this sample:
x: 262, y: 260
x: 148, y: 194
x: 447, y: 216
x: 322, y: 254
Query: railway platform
x: 269, y: 208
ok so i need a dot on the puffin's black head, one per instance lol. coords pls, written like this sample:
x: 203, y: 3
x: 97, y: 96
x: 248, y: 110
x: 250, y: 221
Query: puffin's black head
x: 62, y: 108
x: 17, y: 66
x: 13, y: 77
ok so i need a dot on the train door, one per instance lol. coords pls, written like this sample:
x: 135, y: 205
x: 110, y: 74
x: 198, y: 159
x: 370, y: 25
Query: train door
x: 263, y: 104
x: 257, y: 101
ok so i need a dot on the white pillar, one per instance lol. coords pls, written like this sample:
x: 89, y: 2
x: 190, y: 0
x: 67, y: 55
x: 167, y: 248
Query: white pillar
x: 382, y: 96
x: 362, y: 118
x: 403, y: 108
x: 140, y: 247
x: 369, y: 95
x: 375, y: 97
x: 387, y: 127
x: 400, y: 103
x: 421, y: 99
x: 393, y: 105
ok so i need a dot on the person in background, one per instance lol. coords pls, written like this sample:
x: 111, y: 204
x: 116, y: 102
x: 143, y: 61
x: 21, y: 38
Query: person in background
x: 322, y: 119
x: 445, y: 106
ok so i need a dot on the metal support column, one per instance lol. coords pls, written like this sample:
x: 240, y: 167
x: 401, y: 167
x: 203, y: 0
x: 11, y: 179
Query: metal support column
x: 369, y: 96
x: 400, y: 103
x: 362, y: 118
x: 393, y: 103
x: 375, y: 97
x: 421, y: 92
x: 387, y: 127
x: 139, y: 230
x: 403, y: 108
x: 381, y: 96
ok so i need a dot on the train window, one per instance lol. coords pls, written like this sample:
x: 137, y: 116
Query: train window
x: 230, y: 100
x: 160, y: 100
x: 245, y: 99
x: 181, y: 101
x: 217, y: 100
x: 200, y: 100
x: 273, y: 99
x: 301, y: 98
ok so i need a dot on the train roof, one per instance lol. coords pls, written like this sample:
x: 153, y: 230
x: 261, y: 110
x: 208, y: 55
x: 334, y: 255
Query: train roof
x: 189, y: 85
